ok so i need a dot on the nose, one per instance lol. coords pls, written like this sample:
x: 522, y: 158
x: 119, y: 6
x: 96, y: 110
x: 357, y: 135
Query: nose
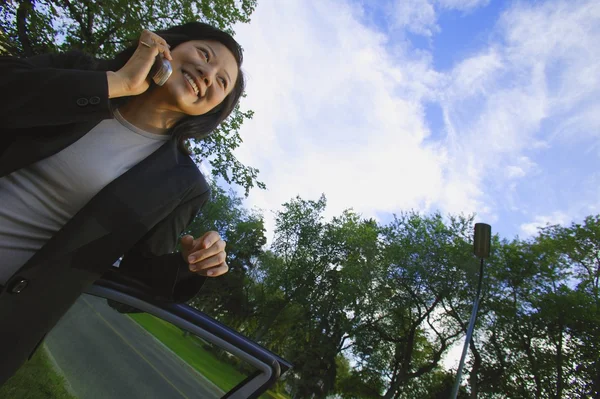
x: 208, y: 74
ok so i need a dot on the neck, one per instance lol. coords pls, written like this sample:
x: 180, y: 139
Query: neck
x: 148, y: 113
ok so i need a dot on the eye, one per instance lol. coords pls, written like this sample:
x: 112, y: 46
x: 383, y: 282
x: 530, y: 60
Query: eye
x: 223, y: 82
x: 206, y: 54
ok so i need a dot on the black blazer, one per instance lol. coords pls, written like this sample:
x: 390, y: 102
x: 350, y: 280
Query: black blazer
x: 45, y: 107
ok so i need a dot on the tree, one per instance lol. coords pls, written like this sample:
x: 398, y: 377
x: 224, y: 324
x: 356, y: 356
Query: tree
x: 339, y: 302
x: 294, y: 262
x: 102, y: 28
x: 407, y: 333
x: 577, y: 247
x: 511, y: 361
x: 289, y: 276
x: 314, y: 286
x: 394, y: 298
x: 541, y: 330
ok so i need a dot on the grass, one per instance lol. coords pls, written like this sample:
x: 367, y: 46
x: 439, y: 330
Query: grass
x: 36, y: 379
x: 221, y: 374
x: 189, y: 348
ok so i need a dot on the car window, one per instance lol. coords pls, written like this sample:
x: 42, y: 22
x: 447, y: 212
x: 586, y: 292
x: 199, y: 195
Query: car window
x: 105, y: 349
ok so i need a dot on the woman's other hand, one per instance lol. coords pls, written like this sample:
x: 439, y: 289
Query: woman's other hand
x: 132, y: 79
x: 205, y: 255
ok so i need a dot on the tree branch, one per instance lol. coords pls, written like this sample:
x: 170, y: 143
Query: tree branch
x: 76, y: 16
x: 104, y: 38
x: 90, y: 22
x: 341, y: 345
x: 434, y: 330
x: 437, y: 355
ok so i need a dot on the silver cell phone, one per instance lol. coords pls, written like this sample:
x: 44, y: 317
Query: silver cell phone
x: 161, y: 70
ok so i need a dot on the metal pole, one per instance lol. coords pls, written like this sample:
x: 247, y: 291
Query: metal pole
x: 469, y: 335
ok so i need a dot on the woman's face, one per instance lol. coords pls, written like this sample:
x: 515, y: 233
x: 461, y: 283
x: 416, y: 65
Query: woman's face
x: 212, y: 70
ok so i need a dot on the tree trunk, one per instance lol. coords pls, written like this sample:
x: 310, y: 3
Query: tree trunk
x: 402, y: 366
x: 474, y: 375
x: 534, y: 368
x: 559, y: 368
x: 596, y: 382
x: 23, y: 12
x: 394, y: 388
x: 331, y: 374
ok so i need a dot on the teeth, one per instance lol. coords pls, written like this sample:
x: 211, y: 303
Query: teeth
x: 189, y: 79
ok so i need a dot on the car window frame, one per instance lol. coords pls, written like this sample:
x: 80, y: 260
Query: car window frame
x: 269, y: 366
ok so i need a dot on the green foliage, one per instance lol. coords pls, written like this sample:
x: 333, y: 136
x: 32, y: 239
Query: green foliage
x: 393, y: 299
x: 103, y: 28
x: 436, y: 384
x: 540, y: 300
x: 360, y: 384
x: 218, y: 149
x: 407, y: 333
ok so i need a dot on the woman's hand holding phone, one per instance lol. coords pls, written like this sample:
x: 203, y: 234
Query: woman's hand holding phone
x: 132, y: 79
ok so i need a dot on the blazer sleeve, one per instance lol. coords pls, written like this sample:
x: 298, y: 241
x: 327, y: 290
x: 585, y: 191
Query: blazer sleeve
x: 153, y: 262
x: 45, y: 90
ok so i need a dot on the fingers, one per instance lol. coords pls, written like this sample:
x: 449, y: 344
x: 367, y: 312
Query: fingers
x: 205, y: 241
x: 208, y: 262
x: 210, y: 238
x: 197, y: 256
x: 187, y: 242
x: 215, y: 271
x: 151, y: 41
x: 207, y: 255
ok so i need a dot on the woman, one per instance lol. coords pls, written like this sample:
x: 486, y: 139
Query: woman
x: 93, y: 166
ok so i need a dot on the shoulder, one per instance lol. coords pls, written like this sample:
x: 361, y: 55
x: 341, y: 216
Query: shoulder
x: 187, y: 172
x: 199, y: 191
x: 200, y: 188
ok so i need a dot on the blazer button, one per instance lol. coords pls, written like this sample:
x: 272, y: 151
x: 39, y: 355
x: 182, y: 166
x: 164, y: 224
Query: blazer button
x: 18, y: 286
x: 82, y: 102
x: 95, y: 100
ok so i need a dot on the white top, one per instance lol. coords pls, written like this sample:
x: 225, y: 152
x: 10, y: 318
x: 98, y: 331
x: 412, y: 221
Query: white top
x: 38, y: 200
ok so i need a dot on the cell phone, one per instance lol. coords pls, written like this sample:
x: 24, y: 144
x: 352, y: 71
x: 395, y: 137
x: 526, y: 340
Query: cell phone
x: 161, y: 70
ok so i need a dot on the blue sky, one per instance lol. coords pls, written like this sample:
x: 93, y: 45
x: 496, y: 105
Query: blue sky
x: 458, y: 106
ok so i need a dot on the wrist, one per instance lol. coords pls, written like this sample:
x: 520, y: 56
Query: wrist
x: 116, y: 87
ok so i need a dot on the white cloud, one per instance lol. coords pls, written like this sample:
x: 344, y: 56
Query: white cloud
x: 557, y: 217
x: 463, y: 5
x: 420, y: 16
x: 335, y: 113
x: 475, y: 75
x: 512, y: 171
x: 498, y: 100
x: 340, y: 110
x: 577, y: 126
x: 416, y: 16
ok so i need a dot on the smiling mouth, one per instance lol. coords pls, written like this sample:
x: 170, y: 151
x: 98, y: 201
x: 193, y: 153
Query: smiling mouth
x: 190, y: 81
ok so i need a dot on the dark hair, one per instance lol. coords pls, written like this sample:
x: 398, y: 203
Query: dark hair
x: 197, y: 127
